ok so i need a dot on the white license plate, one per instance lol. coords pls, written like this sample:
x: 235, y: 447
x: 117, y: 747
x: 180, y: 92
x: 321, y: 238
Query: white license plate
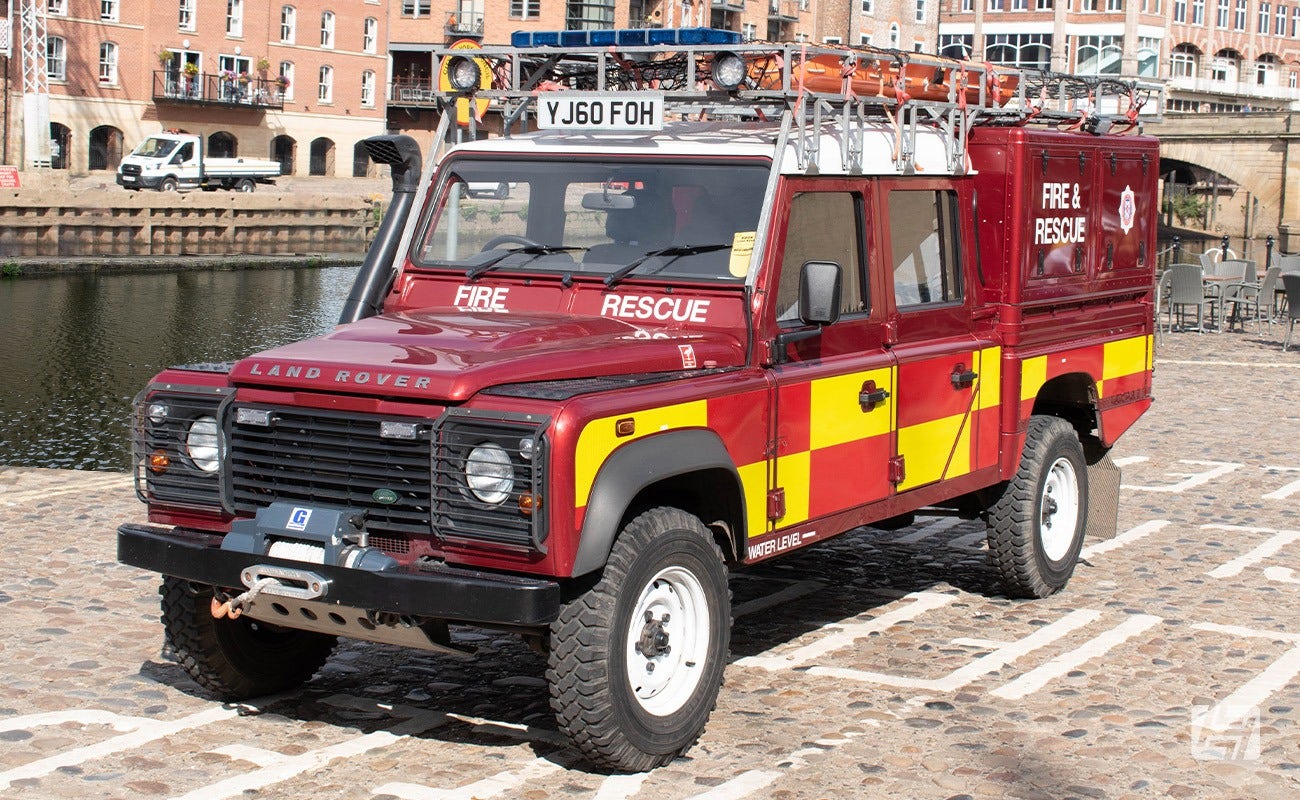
x: 128, y: 179
x: 606, y: 111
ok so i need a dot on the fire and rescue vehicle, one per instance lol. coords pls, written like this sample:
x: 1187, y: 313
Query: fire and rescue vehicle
x: 723, y: 301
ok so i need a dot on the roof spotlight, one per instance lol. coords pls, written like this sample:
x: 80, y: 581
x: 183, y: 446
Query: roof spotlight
x: 462, y: 74
x: 728, y: 70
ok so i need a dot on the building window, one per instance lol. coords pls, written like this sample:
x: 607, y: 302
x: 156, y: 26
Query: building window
x: 1045, y: 5
x: 1182, y: 62
x: 589, y: 15
x: 920, y: 10
x: 369, y: 34
x: 1019, y: 5
x: 524, y: 9
x: 1087, y: 5
x: 327, y: 29
x: 1114, y: 5
x: 955, y: 45
x: 288, y: 24
x: 1198, y: 12
x: 325, y: 88
x: 1295, y: 23
x: 1239, y: 18
x: 997, y: 5
x: 185, y: 15
x: 1148, y: 56
x: 234, y: 17
x: 368, y: 89
x: 868, y: 6
x: 749, y: 31
x: 415, y: 8
x: 1027, y: 50
x: 108, y: 63
x: 1099, y: 55
x: 1261, y: 22
x: 832, y: 40
x: 108, y: 12
x: 1224, y: 66
x: 1221, y: 14
x: 894, y: 35
x: 1279, y: 21
x: 1180, y: 11
x: 56, y: 58
x: 286, y: 80
x: 57, y: 7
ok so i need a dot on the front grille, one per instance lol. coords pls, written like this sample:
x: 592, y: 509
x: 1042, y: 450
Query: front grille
x: 333, y: 459
x: 130, y: 169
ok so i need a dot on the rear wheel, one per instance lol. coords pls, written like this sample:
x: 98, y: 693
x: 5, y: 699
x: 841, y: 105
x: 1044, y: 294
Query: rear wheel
x: 1036, y: 527
x: 236, y: 658
x: 245, y: 185
x: 637, y: 660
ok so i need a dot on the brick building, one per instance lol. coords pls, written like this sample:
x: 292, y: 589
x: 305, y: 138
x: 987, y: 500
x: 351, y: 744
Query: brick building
x: 119, y: 70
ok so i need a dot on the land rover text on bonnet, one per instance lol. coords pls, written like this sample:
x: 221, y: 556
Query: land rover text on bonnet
x: 704, y: 304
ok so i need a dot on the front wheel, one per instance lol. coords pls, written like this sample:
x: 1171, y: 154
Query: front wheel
x: 1036, y: 527
x: 636, y: 661
x: 168, y: 185
x: 236, y: 659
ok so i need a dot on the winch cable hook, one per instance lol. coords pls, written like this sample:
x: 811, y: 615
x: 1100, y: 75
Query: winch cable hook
x: 234, y: 607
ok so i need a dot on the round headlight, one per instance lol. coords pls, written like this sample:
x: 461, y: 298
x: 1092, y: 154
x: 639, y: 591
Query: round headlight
x: 489, y: 473
x: 728, y: 70
x: 157, y: 413
x: 462, y: 74
x: 201, y: 444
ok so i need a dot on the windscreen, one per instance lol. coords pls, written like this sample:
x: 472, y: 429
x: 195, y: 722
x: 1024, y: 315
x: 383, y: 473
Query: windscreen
x: 681, y: 220
x: 153, y: 147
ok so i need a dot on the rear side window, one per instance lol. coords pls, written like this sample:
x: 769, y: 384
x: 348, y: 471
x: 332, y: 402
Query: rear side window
x: 922, y: 237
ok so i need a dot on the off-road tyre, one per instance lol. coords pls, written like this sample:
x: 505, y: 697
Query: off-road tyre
x: 236, y: 659
x: 168, y: 185
x: 592, y: 655
x: 1031, y: 559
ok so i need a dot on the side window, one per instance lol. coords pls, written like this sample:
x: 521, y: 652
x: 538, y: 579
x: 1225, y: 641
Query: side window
x: 923, y: 239
x: 185, y: 153
x: 824, y: 226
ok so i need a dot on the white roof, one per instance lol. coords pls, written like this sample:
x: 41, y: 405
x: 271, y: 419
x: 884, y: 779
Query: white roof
x: 743, y: 139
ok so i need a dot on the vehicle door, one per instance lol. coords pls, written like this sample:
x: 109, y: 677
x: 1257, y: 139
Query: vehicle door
x: 945, y: 376
x: 184, y: 163
x: 834, y: 390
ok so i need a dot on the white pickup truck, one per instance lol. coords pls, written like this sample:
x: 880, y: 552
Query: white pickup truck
x: 170, y: 161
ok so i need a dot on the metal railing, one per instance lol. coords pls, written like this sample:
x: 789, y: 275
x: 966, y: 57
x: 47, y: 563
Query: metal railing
x: 467, y: 23
x: 220, y: 89
x: 1235, y: 88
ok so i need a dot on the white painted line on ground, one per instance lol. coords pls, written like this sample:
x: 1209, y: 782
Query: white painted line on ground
x: 1127, y: 460
x: 970, y: 541
x: 492, y: 786
x: 740, y: 786
x: 1287, y: 490
x: 82, y: 716
x: 1193, y: 479
x: 845, y: 634
x: 1127, y: 537
x: 148, y: 731
x: 1275, y: 364
x: 257, y: 756
x: 978, y: 668
x: 927, y: 530
x: 1248, y: 633
x: 293, y: 766
x: 620, y: 787
x: 1252, y: 694
x: 1281, y: 575
x: 1279, y: 539
x: 1095, y: 647
x: 792, y: 592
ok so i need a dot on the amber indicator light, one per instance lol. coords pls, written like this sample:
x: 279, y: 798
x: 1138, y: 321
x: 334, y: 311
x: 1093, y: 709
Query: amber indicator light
x: 625, y: 427
x: 159, y: 462
x: 528, y: 503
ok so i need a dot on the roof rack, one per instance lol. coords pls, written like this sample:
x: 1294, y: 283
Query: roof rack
x: 815, y: 85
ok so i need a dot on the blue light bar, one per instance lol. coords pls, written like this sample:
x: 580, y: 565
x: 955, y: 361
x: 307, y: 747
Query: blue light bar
x: 624, y: 37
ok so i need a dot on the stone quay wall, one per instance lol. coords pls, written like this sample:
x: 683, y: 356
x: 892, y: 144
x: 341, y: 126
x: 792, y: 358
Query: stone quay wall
x: 96, y: 224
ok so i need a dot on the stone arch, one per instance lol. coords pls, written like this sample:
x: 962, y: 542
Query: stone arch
x: 104, y: 148
x: 223, y: 144
x: 360, y: 160
x: 285, y: 150
x: 60, y: 145
x: 322, y: 157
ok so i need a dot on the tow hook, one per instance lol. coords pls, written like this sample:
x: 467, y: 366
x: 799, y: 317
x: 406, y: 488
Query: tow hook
x: 233, y: 608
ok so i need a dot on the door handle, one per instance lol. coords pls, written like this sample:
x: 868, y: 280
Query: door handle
x: 962, y: 378
x: 871, y: 396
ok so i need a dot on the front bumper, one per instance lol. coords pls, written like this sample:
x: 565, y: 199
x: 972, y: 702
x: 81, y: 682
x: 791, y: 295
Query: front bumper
x: 138, y: 181
x: 440, y: 591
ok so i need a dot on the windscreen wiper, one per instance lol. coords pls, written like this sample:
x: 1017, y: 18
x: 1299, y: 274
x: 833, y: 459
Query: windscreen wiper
x: 536, y: 251
x: 676, y: 251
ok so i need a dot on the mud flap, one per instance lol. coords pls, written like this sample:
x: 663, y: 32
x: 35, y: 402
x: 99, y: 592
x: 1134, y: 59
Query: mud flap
x: 1103, y: 499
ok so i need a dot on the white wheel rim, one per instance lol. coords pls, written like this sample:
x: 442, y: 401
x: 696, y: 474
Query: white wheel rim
x: 664, y: 676
x: 1059, y: 509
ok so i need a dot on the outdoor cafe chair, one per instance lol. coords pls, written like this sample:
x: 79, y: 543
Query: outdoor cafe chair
x: 1257, y: 297
x: 1291, y: 280
x: 1162, y: 305
x: 1289, y: 263
x: 1187, y: 288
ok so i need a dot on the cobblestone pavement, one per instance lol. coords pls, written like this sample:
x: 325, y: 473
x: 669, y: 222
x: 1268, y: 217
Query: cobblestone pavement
x: 879, y: 665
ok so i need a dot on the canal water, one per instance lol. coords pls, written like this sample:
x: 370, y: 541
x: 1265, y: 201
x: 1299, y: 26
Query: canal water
x: 75, y: 349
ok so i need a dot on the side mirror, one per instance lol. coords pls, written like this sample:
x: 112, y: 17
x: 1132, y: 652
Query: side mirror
x: 819, y: 292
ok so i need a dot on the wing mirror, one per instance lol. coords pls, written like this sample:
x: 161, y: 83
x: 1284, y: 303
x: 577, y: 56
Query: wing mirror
x: 820, y: 284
